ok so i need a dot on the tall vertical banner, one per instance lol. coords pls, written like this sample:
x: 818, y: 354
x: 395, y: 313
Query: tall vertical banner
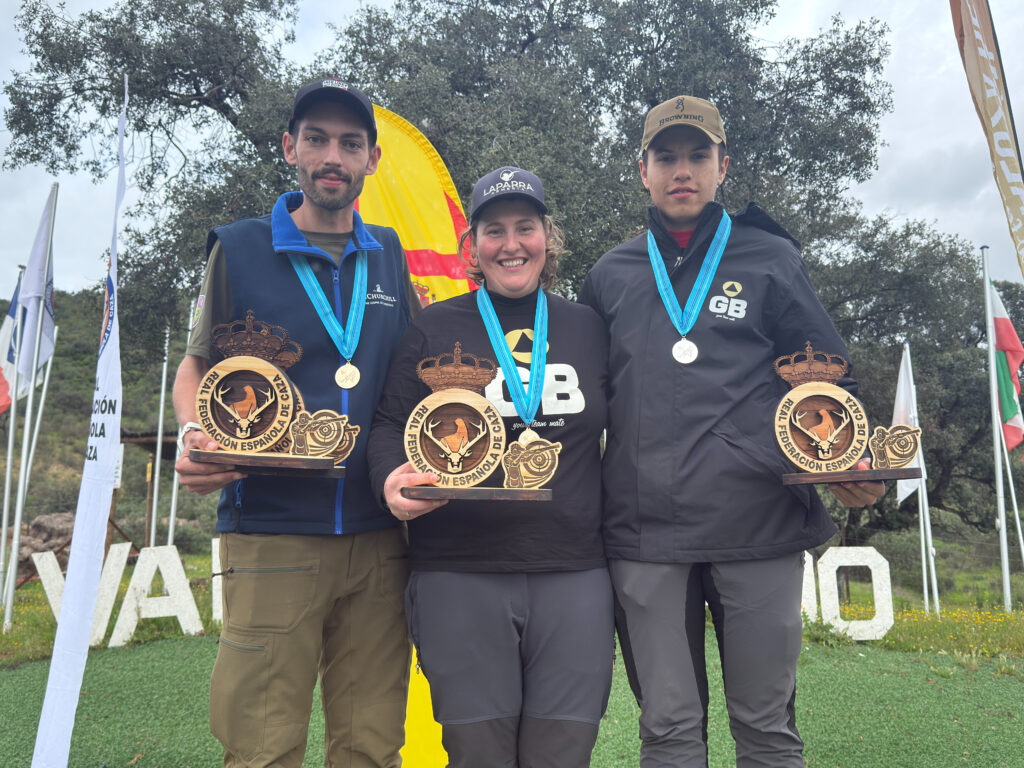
x: 71, y: 645
x: 979, y: 51
x: 413, y: 193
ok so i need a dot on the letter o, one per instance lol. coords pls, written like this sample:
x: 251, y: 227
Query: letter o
x: 828, y: 586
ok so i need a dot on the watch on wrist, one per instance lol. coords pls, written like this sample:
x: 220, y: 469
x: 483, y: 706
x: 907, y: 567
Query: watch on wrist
x: 185, y: 429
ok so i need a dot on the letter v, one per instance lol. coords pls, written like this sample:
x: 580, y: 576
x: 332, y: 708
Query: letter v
x: 110, y: 579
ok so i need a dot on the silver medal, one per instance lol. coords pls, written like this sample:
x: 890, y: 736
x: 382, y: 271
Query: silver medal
x: 684, y: 351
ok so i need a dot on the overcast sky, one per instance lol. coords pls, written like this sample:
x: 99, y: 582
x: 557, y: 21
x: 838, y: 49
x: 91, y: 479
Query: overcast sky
x: 935, y: 166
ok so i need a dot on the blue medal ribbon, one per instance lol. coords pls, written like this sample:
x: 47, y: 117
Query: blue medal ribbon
x: 684, y: 319
x: 346, y: 338
x: 526, y: 403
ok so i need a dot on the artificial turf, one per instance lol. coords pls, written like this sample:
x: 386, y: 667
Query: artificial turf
x: 857, y: 707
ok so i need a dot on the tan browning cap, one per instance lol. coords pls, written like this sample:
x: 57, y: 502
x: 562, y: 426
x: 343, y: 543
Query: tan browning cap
x: 683, y: 110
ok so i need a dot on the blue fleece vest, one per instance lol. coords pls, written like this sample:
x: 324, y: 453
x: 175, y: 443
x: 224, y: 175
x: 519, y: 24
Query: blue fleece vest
x: 262, y: 278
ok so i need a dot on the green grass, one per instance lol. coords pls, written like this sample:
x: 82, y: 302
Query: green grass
x: 33, y: 626
x: 931, y: 694
x: 857, y: 707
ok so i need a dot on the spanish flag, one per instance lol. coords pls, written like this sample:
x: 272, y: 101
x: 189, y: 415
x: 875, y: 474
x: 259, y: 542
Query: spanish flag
x: 413, y: 193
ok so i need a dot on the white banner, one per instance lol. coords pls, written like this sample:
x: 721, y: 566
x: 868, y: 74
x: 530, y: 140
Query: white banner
x: 71, y: 646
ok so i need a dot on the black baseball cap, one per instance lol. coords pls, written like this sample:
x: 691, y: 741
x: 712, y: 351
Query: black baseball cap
x: 504, y: 183
x: 333, y: 89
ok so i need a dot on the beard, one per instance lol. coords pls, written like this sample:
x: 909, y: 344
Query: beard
x: 335, y: 200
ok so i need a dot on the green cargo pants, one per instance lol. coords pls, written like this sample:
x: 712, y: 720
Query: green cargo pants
x: 299, y: 606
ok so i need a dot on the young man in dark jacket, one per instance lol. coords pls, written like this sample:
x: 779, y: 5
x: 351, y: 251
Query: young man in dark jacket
x: 698, y: 309
x: 314, y: 570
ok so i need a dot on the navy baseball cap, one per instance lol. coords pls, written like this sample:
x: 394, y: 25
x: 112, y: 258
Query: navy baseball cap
x: 334, y: 89
x: 505, y: 183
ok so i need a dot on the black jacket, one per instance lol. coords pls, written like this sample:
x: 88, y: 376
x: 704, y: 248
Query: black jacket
x: 692, y: 471
x: 563, y: 534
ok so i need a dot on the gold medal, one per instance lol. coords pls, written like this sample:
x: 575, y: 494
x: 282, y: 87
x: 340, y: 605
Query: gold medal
x: 347, y: 376
x: 528, y: 437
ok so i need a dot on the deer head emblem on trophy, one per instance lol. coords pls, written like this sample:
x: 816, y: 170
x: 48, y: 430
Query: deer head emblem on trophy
x: 456, y: 446
x: 245, y: 412
x: 824, y: 434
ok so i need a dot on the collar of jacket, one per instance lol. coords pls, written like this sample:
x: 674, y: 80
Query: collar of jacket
x: 288, y: 238
x: 703, y: 232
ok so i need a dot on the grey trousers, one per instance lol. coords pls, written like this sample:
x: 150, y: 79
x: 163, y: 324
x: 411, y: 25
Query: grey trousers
x: 519, y: 664
x: 755, y: 606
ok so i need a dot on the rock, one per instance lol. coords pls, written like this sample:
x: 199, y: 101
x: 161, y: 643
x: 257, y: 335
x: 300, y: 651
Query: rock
x: 55, y: 526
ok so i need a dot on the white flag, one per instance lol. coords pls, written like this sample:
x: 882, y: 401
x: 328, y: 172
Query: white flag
x: 904, y: 411
x: 74, y: 627
x: 36, y: 295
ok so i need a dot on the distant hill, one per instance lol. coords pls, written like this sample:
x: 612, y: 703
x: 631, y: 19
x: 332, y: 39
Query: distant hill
x: 60, y: 453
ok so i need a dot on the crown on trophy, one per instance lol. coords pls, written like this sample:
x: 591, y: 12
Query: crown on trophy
x: 811, y: 365
x: 474, y: 376
x: 257, y: 339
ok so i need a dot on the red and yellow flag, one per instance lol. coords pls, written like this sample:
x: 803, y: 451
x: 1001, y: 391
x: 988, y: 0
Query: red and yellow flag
x: 979, y: 50
x: 413, y: 193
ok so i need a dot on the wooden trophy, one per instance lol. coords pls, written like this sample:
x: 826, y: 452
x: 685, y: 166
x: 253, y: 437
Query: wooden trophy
x: 823, y: 430
x: 457, y: 434
x: 249, y: 406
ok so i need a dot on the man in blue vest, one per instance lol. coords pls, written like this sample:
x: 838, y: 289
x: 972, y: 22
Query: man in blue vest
x: 313, y: 569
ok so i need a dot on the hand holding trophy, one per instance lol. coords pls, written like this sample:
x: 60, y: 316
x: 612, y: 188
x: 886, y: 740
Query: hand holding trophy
x: 247, y: 404
x: 456, y: 433
x: 823, y: 429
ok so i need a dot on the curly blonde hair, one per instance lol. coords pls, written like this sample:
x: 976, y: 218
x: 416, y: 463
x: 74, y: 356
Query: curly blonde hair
x: 553, y: 249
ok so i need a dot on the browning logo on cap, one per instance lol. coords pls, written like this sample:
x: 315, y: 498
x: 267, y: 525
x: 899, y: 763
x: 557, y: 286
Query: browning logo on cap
x: 683, y: 110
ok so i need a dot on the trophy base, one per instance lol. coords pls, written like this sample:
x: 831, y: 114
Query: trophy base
x: 851, y: 476
x: 280, y: 465
x: 476, y: 494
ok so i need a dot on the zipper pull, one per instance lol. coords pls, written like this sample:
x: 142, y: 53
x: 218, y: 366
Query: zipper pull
x: 221, y: 573
x: 335, y: 272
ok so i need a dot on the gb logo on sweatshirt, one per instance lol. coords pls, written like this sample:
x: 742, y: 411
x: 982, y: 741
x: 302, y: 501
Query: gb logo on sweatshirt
x: 728, y: 307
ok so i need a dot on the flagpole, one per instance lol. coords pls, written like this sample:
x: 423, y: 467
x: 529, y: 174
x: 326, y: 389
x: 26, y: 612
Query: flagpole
x: 924, y: 551
x: 922, y: 494
x: 173, y: 517
x: 928, y: 554
x: 19, y: 506
x: 159, y: 442
x: 39, y: 410
x: 12, y: 423
x: 997, y: 428
x: 1013, y: 497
